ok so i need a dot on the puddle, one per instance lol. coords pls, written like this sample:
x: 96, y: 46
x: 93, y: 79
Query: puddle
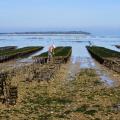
x: 75, y: 59
x: 105, y: 78
x: 25, y: 60
x: 88, y: 62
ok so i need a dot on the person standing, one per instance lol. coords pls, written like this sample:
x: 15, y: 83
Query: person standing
x: 51, y: 52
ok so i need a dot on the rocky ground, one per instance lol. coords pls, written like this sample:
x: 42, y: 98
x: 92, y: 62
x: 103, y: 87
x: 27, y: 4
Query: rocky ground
x: 73, y: 94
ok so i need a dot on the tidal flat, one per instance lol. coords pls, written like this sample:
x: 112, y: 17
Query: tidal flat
x: 85, y: 97
x: 78, y: 90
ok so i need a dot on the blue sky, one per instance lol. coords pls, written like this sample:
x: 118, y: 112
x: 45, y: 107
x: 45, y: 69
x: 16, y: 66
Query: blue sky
x: 100, y: 16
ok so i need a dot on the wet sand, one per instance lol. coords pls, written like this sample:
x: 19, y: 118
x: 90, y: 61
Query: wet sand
x: 110, y: 78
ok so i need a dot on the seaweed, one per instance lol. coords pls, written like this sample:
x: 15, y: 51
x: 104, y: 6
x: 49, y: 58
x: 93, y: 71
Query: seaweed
x: 107, y: 57
x: 59, y: 54
x: 103, y: 52
x: 14, y: 53
x: 45, y: 54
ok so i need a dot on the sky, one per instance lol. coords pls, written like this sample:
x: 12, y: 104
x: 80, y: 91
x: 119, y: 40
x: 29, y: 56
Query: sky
x: 96, y: 16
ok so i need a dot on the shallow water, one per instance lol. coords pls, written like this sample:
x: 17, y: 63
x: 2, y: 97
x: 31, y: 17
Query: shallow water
x: 78, y: 43
x: 104, y: 77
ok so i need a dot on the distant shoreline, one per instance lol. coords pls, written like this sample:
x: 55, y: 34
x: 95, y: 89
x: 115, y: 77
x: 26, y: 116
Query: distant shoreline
x: 51, y: 32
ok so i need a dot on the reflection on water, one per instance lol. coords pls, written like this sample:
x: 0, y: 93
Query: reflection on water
x: 78, y: 43
x: 105, y: 78
x: 87, y: 62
